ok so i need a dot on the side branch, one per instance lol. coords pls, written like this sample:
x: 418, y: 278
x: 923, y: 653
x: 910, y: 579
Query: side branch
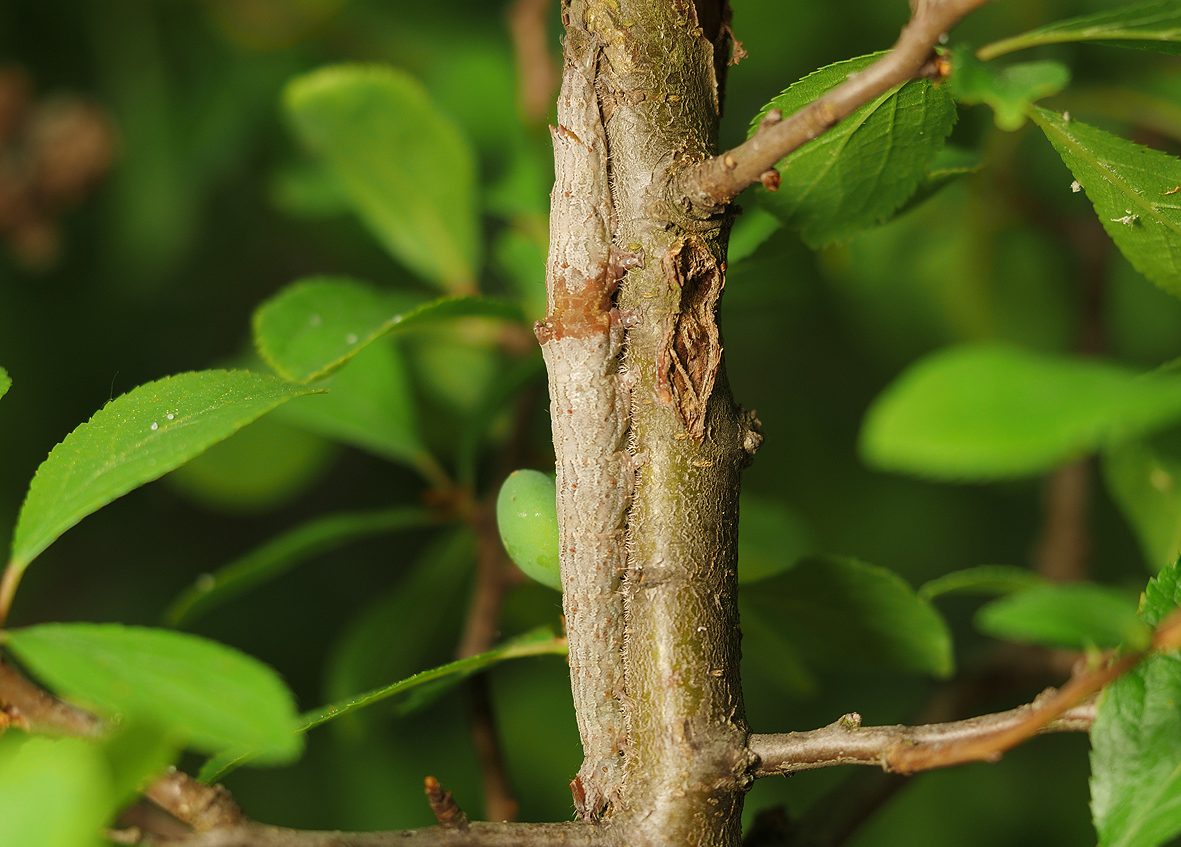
x: 910, y: 749
x: 27, y: 706
x: 476, y: 835
x: 711, y: 184
x: 895, y: 749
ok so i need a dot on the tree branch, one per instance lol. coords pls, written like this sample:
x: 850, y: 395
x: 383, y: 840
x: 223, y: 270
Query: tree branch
x: 202, y: 807
x: 893, y: 748
x: 906, y: 750
x: 30, y: 707
x: 711, y: 184
x: 476, y: 835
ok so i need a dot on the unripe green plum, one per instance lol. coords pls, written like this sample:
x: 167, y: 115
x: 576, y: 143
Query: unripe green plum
x: 527, y: 515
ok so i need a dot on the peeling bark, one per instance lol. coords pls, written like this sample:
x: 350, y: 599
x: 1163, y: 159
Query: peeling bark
x: 692, y: 350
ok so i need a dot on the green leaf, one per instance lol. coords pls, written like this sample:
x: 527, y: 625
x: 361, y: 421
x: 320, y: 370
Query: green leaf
x: 53, y: 793
x: 264, y: 466
x: 840, y: 612
x: 988, y: 412
x: 950, y: 163
x: 408, y: 171
x: 771, y: 538
x: 315, y: 326
x: 1073, y: 616
x: 136, y: 753
x: 134, y: 439
x: 408, y: 694
x: 982, y: 579
x: 307, y: 189
x: 1010, y: 91
x: 1136, y: 756
x: 861, y: 171
x: 1149, y: 25
x: 206, y: 693
x: 1134, y: 189
x: 261, y: 468
x: 750, y: 231
x: 1136, y: 740
x: 1162, y: 595
x: 276, y: 557
x: 1144, y: 478
x: 527, y: 517
x: 370, y: 404
x: 771, y: 658
x: 5, y: 382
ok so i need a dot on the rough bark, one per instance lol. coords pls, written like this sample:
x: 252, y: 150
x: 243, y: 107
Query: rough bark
x: 658, y: 449
x: 687, y: 763
x: 580, y: 341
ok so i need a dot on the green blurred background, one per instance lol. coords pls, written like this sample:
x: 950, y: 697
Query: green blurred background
x: 209, y: 207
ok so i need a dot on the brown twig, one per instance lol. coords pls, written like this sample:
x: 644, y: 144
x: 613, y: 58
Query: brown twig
x: 897, y: 749
x: 202, y: 807
x: 482, y: 834
x: 1064, y: 544
x: 537, y: 70
x: 907, y: 750
x: 710, y: 185
x: 30, y: 707
x: 839, y: 814
x: 479, y: 634
x: 494, y: 574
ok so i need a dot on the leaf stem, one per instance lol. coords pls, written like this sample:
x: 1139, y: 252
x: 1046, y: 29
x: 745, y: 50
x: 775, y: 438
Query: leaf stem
x: 8, y: 585
x: 1027, y: 40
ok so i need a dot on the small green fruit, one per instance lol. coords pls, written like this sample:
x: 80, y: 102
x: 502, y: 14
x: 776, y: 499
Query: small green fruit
x: 527, y: 515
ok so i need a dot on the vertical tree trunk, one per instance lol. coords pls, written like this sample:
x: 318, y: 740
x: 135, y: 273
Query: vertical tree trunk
x: 640, y: 101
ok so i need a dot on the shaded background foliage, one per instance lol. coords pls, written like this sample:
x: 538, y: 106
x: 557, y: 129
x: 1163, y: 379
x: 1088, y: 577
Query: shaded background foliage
x: 210, y: 207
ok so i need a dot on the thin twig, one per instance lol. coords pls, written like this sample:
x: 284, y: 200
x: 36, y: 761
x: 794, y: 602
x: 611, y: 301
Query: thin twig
x: 481, y: 834
x: 710, y: 185
x: 30, y: 707
x: 493, y: 573
x: 500, y: 804
x: 897, y: 749
x: 479, y: 634
x: 1064, y: 543
x: 835, y: 818
x: 906, y: 750
x: 202, y: 807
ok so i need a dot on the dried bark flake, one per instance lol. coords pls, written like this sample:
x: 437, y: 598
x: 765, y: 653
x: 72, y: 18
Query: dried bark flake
x: 692, y: 349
